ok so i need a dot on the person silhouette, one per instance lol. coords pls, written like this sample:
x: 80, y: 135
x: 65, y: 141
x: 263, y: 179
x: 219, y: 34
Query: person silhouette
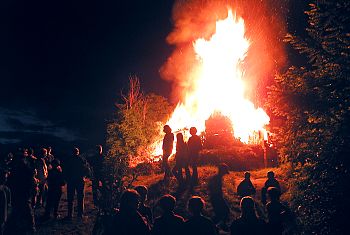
x: 47, y: 156
x: 168, y: 142
x: 270, y: 182
x: 169, y: 223
x: 246, y: 187
x: 55, y: 182
x: 278, y: 214
x: 50, y: 156
x: 194, y: 147
x: 143, y: 209
x: 181, y: 158
x: 248, y: 223
x: 42, y: 172
x: 198, y: 224
x: 220, y: 207
x: 96, y: 163
x: 128, y: 220
x: 23, y: 187
x: 76, y: 170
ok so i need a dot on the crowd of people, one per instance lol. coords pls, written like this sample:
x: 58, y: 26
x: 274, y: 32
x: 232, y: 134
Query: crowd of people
x: 134, y: 217
x: 32, y: 181
x: 187, y: 155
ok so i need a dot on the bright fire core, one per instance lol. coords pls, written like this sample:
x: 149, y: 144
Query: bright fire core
x: 216, y: 84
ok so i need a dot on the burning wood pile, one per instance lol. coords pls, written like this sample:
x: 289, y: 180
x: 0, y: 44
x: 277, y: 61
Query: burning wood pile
x: 215, y: 85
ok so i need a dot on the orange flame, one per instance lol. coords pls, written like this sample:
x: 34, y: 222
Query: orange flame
x: 217, y: 84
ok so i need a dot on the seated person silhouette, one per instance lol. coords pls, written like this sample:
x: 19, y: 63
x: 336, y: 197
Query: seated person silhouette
x: 198, y: 224
x: 279, y: 215
x: 248, y: 223
x: 270, y: 182
x: 169, y: 223
x: 128, y: 220
x: 246, y: 187
x: 144, y: 210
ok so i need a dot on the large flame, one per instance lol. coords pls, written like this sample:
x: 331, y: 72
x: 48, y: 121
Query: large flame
x: 217, y: 84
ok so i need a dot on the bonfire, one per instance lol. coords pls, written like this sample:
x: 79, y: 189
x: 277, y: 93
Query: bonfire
x: 217, y: 86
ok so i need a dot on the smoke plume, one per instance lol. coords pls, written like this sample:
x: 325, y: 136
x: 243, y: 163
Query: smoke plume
x: 265, y: 29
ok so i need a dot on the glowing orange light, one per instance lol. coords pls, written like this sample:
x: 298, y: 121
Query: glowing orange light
x: 217, y: 85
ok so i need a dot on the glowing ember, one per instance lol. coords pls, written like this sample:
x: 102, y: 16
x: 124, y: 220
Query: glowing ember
x: 217, y: 85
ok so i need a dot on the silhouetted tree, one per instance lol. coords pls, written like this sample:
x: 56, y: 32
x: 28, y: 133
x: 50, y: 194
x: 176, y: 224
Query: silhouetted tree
x: 137, y: 125
x: 313, y: 101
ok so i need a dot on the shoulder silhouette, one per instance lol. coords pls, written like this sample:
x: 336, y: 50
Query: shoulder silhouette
x: 246, y: 187
x: 128, y: 221
x: 248, y: 223
x: 168, y: 223
x: 197, y: 223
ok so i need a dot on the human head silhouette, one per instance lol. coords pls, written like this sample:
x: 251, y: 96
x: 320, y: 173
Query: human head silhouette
x: 274, y: 193
x: 179, y: 137
x: 43, y: 152
x: 247, y: 175
x: 142, y: 190
x: 99, y: 149
x: 193, y: 131
x: 196, y: 205
x: 167, y: 129
x: 270, y: 175
x: 76, y: 151
x: 247, y: 207
x: 25, y: 153
x: 49, y: 150
x: 167, y: 203
x: 129, y: 201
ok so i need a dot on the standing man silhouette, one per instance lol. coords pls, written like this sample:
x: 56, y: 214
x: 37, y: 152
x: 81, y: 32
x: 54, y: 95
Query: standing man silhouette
x: 76, y: 169
x: 181, y: 158
x: 194, y: 147
x: 270, y: 182
x: 216, y: 197
x: 97, y: 164
x: 246, y: 187
x: 168, y: 142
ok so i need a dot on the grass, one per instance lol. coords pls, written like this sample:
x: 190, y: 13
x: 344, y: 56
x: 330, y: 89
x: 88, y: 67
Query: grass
x: 156, y: 190
x: 76, y: 226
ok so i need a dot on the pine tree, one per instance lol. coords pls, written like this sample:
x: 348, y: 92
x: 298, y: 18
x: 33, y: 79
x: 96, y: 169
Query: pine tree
x: 314, y: 103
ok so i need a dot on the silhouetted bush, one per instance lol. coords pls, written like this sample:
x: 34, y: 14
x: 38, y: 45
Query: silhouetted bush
x: 238, y: 158
x: 312, y: 100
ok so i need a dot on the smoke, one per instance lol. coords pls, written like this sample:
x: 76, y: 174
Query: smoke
x: 265, y: 29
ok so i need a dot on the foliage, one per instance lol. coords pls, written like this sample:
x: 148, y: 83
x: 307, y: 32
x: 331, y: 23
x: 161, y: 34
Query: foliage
x: 238, y: 158
x: 313, y: 102
x: 137, y: 125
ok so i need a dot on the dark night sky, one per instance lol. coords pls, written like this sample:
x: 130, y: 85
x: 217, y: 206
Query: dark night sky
x: 63, y: 64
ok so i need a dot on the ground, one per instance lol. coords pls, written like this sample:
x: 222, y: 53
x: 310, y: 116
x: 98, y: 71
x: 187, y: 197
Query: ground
x: 62, y: 226
x: 156, y: 189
